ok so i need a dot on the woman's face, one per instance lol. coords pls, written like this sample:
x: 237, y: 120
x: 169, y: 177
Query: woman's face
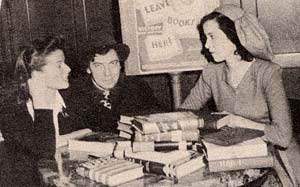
x: 56, y: 72
x: 105, y: 69
x: 218, y: 44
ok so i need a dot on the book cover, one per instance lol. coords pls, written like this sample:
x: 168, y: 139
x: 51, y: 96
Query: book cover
x: 62, y: 140
x: 175, y: 136
x: 98, y: 144
x: 241, y: 163
x: 252, y: 148
x: 230, y: 136
x: 164, y: 122
x: 94, y: 148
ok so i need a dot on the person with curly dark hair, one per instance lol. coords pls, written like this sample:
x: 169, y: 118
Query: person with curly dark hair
x: 105, y: 93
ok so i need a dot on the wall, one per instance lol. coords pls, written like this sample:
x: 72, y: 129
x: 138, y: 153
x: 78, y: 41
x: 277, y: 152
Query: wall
x: 22, y: 21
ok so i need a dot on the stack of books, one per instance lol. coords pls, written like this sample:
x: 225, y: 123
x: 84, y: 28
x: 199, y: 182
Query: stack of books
x: 248, y: 154
x: 110, y: 171
x: 173, y: 164
x: 161, y: 131
x: 163, y: 142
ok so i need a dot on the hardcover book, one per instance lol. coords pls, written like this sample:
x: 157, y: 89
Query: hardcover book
x: 252, y: 148
x: 230, y: 136
x: 98, y: 144
x: 160, y: 146
x: 125, y: 127
x: 175, y: 136
x: 174, y: 164
x: 164, y: 122
x: 241, y: 163
x: 62, y: 140
x: 110, y: 171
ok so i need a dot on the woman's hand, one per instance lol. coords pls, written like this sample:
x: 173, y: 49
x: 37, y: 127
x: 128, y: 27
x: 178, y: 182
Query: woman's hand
x: 42, y: 96
x: 50, y: 177
x: 232, y: 120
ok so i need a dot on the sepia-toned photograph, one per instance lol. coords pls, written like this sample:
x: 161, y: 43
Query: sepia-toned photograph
x: 149, y: 93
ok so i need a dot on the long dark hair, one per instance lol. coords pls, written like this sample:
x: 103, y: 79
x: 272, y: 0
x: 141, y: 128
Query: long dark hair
x: 32, y: 58
x: 227, y: 26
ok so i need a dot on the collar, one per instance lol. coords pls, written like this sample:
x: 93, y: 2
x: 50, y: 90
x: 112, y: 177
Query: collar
x: 59, y: 104
x: 250, y: 71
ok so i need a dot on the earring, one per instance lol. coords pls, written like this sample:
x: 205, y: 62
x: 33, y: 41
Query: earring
x: 235, y: 52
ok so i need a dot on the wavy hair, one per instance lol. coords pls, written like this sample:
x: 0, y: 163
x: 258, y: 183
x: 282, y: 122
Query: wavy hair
x: 228, y: 27
x: 31, y: 59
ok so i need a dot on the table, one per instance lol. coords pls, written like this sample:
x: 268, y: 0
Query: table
x: 199, y: 178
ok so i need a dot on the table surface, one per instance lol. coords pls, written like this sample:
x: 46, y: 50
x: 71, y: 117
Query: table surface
x: 199, y: 178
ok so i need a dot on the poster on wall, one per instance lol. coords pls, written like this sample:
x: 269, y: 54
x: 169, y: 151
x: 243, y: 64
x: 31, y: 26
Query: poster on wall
x: 163, y: 35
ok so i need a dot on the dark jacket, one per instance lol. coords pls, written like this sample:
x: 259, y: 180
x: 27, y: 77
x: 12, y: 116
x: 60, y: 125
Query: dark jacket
x: 29, y: 144
x: 131, y: 96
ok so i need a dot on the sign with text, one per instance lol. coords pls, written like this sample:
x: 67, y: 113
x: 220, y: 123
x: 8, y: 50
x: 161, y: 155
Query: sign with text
x: 163, y: 35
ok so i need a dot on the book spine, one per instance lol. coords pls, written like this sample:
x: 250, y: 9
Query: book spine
x: 187, y: 124
x: 125, y: 127
x: 124, y: 134
x: 175, y: 136
x: 149, y: 166
x: 211, y: 121
x: 125, y: 174
x: 161, y: 146
x: 239, y: 164
x: 168, y: 170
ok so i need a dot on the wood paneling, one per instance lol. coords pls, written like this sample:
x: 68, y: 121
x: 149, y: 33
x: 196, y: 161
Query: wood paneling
x: 22, y: 21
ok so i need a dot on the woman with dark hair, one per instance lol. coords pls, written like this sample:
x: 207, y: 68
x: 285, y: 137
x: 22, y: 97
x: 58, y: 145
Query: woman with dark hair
x: 30, y: 119
x: 105, y: 92
x: 242, y: 79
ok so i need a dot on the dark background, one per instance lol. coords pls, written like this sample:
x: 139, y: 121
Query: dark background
x: 78, y: 21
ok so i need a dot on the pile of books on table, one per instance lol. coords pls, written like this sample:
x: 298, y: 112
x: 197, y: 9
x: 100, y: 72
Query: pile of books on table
x: 162, y: 147
x: 169, y: 145
x: 246, y: 150
x: 161, y: 131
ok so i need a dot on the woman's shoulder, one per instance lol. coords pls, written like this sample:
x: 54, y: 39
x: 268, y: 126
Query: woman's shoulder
x: 265, y: 64
x: 265, y: 67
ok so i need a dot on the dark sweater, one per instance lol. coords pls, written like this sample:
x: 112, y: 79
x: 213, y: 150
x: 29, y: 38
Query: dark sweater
x: 131, y: 96
x: 30, y: 144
